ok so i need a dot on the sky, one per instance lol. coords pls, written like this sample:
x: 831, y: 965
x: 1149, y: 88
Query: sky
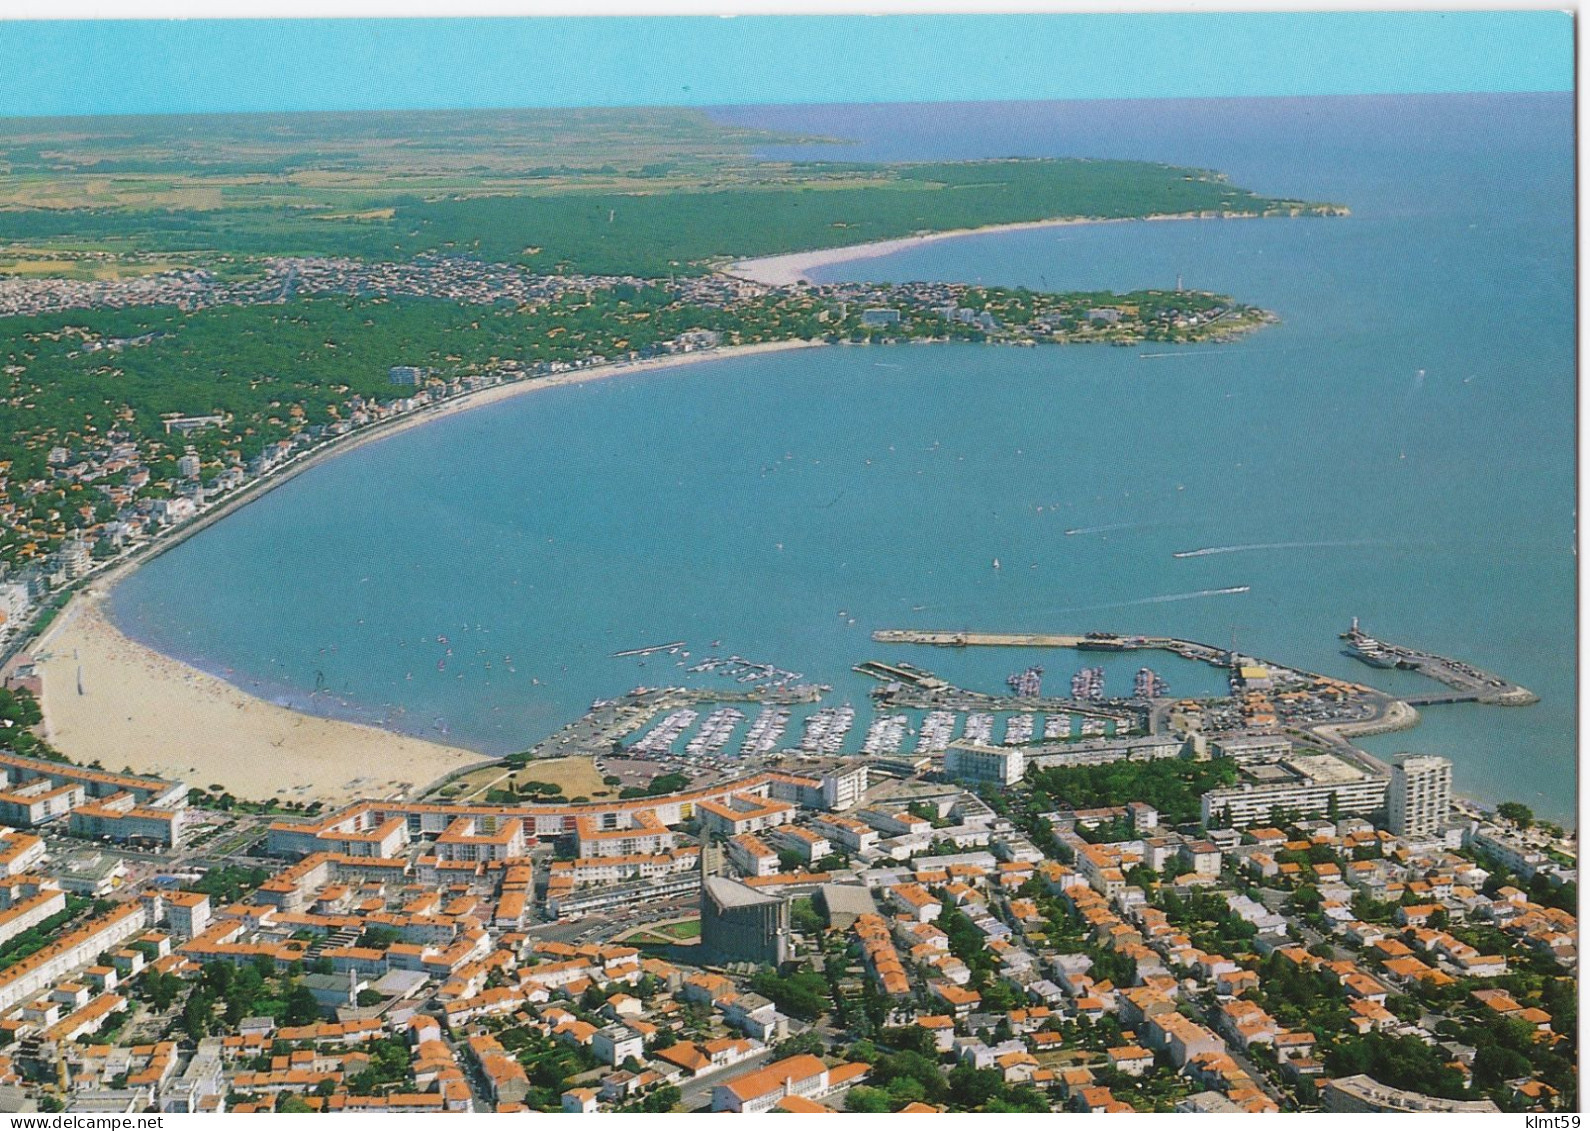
x: 71, y: 67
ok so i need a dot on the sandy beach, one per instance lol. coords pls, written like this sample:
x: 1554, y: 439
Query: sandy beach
x: 142, y: 709
x: 785, y: 270
x: 145, y: 710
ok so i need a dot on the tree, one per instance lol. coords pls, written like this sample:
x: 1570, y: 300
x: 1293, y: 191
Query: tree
x: 971, y: 1088
x: 809, y: 1043
x: 893, y: 1070
x: 910, y: 1038
x: 802, y: 994
x: 302, y: 1008
x: 1516, y: 812
x: 805, y: 918
x: 1401, y: 1062
x: 162, y: 989
x: 864, y: 1051
x: 1306, y: 899
x: 196, y: 1015
x: 870, y: 1100
x: 1143, y: 877
x: 1494, y: 1064
x: 662, y: 1099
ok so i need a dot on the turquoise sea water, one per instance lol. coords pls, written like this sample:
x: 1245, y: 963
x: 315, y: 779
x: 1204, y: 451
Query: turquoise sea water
x: 1399, y: 448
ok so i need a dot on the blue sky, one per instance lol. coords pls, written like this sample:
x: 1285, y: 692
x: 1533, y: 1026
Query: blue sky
x: 195, y: 66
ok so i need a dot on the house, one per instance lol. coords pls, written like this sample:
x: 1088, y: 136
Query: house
x: 755, y: 1016
x: 1131, y: 1060
x: 617, y: 1043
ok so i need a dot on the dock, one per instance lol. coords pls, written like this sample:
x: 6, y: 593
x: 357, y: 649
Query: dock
x: 1088, y: 642
x: 901, y: 685
x: 975, y: 639
x: 649, y: 649
x: 1470, y: 684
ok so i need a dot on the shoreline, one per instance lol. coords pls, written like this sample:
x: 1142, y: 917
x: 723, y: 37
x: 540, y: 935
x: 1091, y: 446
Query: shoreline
x: 792, y: 267
x: 140, y: 708
x: 180, y: 712
x: 480, y: 398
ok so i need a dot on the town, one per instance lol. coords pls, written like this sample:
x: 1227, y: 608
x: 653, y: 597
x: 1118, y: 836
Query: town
x: 1136, y: 903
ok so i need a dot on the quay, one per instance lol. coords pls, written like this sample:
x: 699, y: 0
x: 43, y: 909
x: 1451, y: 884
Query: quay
x: 1089, y: 642
x: 975, y: 639
x: 1471, y: 683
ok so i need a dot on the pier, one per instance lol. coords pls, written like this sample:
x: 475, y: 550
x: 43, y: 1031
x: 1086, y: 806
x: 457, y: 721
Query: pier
x: 1089, y: 642
x: 975, y: 639
x: 1471, y: 683
x: 1438, y: 698
x: 649, y: 649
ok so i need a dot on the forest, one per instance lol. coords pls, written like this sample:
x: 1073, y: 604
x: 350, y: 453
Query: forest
x: 657, y: 231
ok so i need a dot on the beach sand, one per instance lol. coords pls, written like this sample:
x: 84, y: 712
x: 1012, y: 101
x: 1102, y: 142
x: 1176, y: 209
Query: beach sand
x: 785, y: 270
x: 145, y: 710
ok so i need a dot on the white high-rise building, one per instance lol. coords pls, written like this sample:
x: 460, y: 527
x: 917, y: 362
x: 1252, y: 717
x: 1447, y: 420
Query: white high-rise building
x: 968, y: 761
x: 1420, y: 795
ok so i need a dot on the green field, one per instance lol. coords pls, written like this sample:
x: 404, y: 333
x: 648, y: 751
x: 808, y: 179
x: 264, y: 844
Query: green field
x: 668, y: 934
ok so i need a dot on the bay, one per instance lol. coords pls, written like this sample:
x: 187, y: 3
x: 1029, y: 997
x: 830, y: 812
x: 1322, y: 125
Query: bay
x: 1399, y: 448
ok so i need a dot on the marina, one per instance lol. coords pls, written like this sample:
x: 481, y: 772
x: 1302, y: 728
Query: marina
x: 886, y: 735
x: 662, y: 737
x: 1018, y: 730
x: 741, y: 670
x: 826, y: 730
x: 980, y: 728
x: 715, y: 733
x: 767, y: 730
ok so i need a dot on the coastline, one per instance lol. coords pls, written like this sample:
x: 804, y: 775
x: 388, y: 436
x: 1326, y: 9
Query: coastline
x: 465, y: 402
x: 142, y: 709
x: 309, y: 753
x: 793, y: 267
x: 147, y: 710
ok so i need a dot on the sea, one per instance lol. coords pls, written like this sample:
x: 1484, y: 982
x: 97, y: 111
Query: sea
x: 1399, y: 448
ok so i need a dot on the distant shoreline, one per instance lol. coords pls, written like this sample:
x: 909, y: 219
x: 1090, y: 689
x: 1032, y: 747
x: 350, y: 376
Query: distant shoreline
x: 793, y: 267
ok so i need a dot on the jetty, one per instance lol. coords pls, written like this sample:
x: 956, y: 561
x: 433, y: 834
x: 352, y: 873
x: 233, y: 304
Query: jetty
x: 1087, y: 642
x: 975, y: 639
x: 650, y: 648
x: 1469, y: 684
